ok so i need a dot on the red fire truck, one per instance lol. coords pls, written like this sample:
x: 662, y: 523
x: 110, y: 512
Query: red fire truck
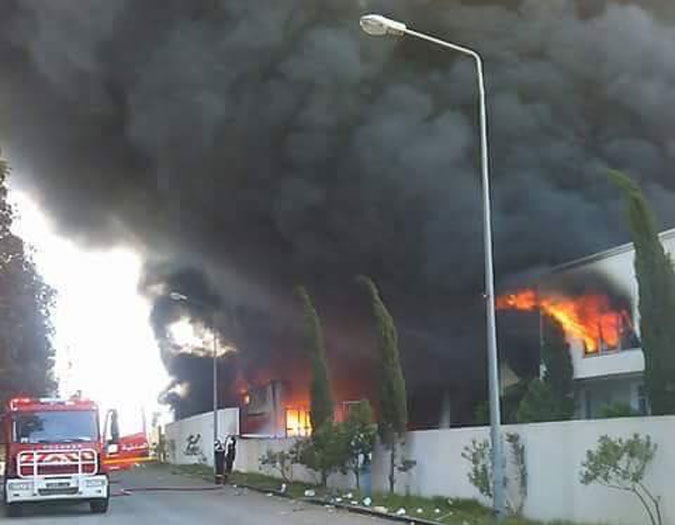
x: 55, y: 450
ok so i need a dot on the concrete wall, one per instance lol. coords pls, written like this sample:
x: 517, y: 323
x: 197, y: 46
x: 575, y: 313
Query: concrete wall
x: 553, y: 455
x: 190, y: 440
x: 249, y: 451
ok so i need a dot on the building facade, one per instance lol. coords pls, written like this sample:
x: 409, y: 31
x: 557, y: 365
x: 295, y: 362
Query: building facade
x: 608, y: 364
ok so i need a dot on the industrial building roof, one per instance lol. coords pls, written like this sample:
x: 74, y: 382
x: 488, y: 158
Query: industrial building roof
x: 605, y: 254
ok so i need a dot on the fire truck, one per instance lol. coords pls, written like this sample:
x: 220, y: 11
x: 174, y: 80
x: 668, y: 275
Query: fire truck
x: 55, y: 450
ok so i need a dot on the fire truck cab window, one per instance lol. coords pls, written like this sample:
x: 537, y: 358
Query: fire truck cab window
x: 45, y: 427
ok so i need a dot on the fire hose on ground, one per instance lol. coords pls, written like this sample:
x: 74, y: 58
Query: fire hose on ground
x: 131, y: 491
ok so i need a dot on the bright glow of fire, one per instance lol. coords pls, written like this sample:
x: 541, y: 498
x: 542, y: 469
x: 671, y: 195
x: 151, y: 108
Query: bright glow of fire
x: 589, y: 318
x: 183, y: 333
x: 297, y: 422
x: 192, y: 337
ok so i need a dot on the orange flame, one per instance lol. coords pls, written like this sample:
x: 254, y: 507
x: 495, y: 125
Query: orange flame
x: 297, y: 422
x: 589, y: 318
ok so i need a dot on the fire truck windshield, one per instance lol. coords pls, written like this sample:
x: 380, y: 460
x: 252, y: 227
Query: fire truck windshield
x: 55, y: 427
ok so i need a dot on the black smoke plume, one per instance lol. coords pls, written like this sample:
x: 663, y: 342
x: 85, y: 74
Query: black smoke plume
x: 269, y: 143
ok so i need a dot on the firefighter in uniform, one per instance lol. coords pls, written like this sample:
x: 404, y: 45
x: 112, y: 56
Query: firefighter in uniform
x: 219, y: 459
x: 230, y: 455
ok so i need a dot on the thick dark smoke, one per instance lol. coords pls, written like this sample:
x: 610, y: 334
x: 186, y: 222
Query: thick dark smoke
x: 268, y: 143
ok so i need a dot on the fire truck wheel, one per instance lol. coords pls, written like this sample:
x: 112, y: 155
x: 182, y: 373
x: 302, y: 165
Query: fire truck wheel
x: 99, y: 506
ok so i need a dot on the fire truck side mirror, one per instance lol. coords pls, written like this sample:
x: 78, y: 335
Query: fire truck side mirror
x: 114, y: 427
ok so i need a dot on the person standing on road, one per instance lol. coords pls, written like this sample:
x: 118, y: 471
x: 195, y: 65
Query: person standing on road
x: 230, y: 455
x: 219, y: 460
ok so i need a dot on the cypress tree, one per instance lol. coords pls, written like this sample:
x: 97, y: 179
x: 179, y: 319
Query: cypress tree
x: 551, y: 397
x: 559, y: 374
x: 25, y: 306
x: 321, y: 399
x: 656, y: 286
x: 392, y: 403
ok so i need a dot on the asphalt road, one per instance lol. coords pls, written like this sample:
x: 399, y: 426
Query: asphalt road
x: 185, y: 507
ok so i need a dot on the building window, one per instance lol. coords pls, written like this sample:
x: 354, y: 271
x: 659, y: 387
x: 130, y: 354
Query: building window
x: 297, y: 422
x: 615, y: 333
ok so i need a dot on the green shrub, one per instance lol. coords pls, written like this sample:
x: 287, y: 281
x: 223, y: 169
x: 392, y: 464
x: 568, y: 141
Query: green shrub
x: 620, y: 464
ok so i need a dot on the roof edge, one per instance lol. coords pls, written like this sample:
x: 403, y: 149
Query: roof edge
x: 606, y: 254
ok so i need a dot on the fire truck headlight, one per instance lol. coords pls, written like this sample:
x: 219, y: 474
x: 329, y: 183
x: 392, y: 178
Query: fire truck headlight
x: 113, y: 448
x: 19, y: 485
x: 95, y: 483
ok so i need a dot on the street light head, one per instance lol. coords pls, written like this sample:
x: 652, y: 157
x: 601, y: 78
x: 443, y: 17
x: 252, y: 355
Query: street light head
x: 378, y: 25
x: 175, y: 296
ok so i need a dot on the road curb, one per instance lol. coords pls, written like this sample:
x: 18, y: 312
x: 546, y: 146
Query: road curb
x: 344, y: 506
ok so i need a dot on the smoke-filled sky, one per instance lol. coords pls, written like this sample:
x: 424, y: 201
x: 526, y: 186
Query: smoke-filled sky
x: 248, y: 146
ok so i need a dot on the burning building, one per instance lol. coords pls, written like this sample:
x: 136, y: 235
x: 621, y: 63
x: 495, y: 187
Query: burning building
x: 279, y: 409
x: 595, y: 299
x: 272, y: 410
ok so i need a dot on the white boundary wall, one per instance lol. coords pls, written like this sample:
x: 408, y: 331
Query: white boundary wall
x: 179, y: 432
x: 553, y: 455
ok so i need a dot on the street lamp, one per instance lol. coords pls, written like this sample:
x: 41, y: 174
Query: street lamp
x: 175, y: 296
x: 378, y: 25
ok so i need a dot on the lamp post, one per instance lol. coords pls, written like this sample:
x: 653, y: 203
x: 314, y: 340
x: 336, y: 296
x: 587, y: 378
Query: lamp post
x: 175, y: 296
x: 378, y: 25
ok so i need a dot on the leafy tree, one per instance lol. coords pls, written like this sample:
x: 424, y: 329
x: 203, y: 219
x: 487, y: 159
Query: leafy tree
x: 324, y: 452
x: 25, y: 304
x: 360, y: 432
x: 392, y: 402
x: 550, y: 398
x: 518, y: 454
x: 621, y: 464
x: 656, y: 285
x: 280, y: 461
x: 559, y: 371
x: 321, y: 399
x: 333, y: 446
x: 479, y: 454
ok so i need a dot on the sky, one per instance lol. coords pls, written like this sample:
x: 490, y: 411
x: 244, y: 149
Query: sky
x: 104, y: 343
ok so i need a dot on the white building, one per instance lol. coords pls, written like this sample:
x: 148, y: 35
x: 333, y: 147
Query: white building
x: 609, y: 374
